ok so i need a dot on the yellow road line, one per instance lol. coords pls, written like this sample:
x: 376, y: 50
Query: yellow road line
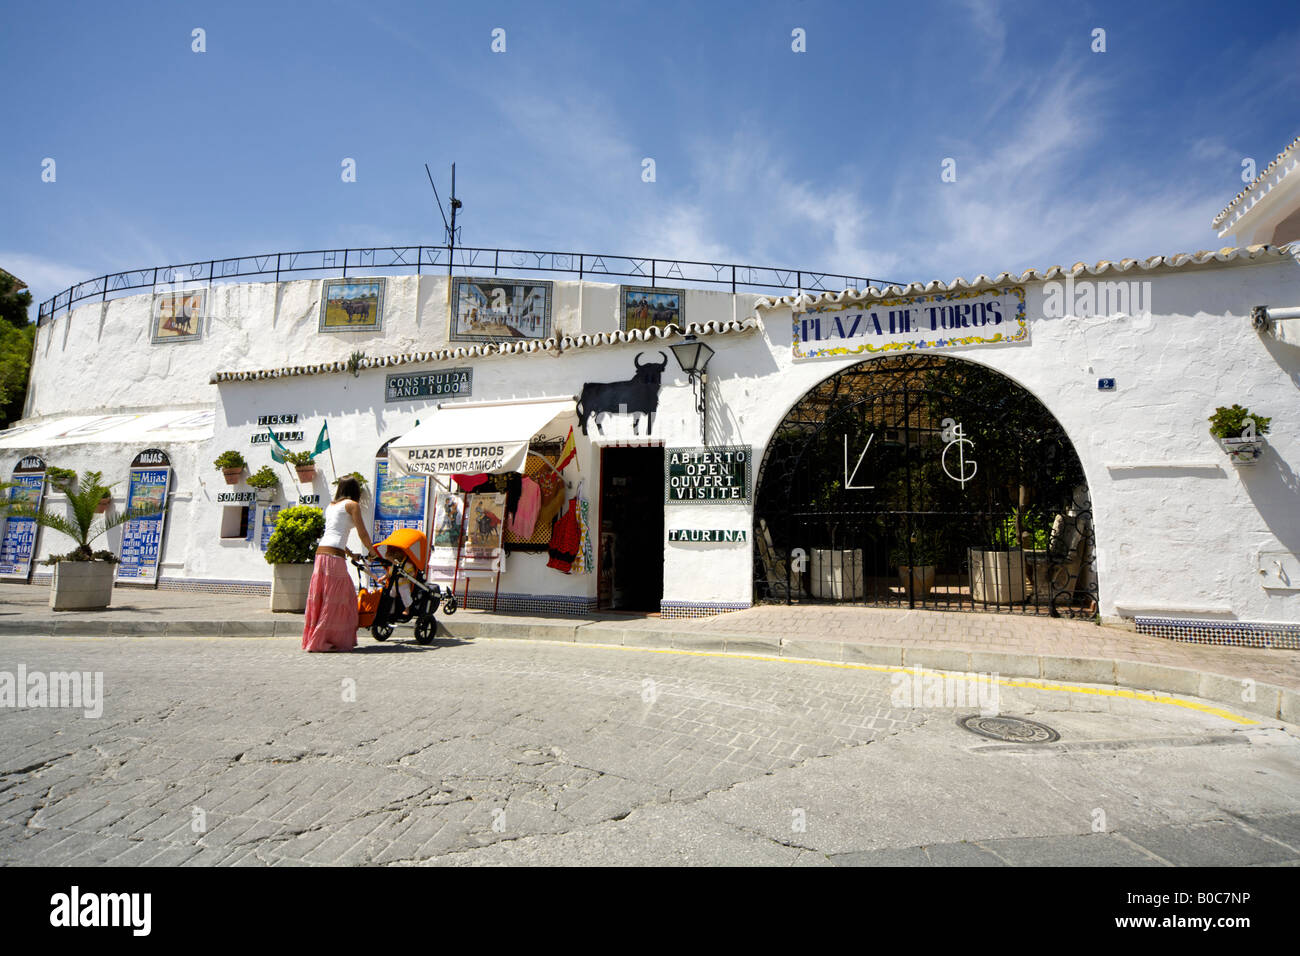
x: 1027, y: 683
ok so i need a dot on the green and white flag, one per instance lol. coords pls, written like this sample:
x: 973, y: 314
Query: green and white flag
x: 323, y: 442
x: 278, y: 451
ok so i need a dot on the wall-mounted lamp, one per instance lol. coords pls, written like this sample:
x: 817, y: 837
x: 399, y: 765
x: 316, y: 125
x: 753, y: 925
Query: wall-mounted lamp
x: 693, y: 356
x: 1263, y: 317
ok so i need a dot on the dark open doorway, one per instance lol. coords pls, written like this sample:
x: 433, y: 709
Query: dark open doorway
x: 631, y: 562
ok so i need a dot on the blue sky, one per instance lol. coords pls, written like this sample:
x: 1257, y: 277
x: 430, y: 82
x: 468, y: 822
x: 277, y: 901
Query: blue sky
x: 828, y: 159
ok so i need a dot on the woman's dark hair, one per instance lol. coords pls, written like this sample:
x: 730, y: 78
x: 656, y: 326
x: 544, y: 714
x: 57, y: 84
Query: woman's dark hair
x: 348, y: 487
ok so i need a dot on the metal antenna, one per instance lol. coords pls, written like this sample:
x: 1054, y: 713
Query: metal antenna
x: 445, y: 227
x: 455, y: 204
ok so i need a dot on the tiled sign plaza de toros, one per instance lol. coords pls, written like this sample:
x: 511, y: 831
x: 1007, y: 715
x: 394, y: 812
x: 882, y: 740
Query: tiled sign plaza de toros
x: 914, y: 322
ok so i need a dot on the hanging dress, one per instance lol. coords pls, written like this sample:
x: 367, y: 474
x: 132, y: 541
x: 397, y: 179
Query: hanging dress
x: 565, y: 540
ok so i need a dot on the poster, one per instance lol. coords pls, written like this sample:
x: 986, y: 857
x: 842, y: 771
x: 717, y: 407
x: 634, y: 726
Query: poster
x: 352, y: 305
x: 177, y: 317
x: 142, y: 537
x: 485, y: 520
x: 400, y: 502
x: 488, y: 310
x: 18, y: 543
x: 448, y: 522
x: 640, y: 308
x: 269, y: 514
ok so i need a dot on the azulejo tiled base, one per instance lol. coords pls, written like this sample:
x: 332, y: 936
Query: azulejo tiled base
x: 1227, y: 633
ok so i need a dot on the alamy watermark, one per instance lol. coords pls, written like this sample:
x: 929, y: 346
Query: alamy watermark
x: 1087, y: 299
x: 918, y: 688
x: 82, y: 689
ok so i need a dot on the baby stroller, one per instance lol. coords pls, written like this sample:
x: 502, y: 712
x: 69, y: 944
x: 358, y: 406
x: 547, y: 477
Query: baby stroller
x: 402, y: 595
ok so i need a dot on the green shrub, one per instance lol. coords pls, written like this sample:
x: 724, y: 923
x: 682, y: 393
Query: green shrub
x: 1231, y: 422
x: 264, y: 478
x: 297, y: 530
x: 60, y: 479
x: 230, y: 459
x: 299, y: 458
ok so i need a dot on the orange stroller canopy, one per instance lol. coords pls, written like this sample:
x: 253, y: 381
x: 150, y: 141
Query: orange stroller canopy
x: 410, y: 542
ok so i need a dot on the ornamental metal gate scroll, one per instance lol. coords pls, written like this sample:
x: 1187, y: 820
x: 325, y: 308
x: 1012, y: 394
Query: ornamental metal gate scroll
x: 923, y: 481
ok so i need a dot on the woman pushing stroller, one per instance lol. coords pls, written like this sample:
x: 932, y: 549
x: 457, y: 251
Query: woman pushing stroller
x: 331, y: 619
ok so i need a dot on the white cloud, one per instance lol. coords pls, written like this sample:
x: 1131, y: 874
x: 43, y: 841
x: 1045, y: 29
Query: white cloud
x: 44, y: 277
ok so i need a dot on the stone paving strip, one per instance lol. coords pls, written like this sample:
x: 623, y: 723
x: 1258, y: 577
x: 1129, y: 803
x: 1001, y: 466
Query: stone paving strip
x: 250, y: 753
x: 1262, y: 682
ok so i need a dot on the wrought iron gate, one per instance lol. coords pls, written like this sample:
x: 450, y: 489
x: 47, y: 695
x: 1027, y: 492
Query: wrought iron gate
x: 924, y: 482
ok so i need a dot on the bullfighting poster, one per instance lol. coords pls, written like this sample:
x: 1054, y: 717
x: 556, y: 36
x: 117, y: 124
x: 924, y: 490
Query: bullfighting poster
x: 485, y: 520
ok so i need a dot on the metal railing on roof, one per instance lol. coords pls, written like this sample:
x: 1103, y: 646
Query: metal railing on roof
x: 464, y: 261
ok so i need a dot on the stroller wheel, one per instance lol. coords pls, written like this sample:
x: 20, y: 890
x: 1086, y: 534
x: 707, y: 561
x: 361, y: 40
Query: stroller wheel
x: 381, y: 632
x: 425, y: 628
x: 449, y: 604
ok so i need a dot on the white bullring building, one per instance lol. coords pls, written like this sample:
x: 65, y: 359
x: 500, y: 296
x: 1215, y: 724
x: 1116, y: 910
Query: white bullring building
x: 1034, y: 443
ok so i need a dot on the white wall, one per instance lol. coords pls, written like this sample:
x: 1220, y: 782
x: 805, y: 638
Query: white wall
x: 1175, y: 539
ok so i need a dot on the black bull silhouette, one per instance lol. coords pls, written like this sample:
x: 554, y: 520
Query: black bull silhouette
x: 637, y: 396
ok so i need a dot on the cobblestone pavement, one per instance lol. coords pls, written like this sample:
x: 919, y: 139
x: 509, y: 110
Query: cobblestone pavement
x: 248, y: 752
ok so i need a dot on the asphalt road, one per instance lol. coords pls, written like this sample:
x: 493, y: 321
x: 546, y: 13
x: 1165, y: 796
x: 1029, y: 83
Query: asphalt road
x: 250, y: 752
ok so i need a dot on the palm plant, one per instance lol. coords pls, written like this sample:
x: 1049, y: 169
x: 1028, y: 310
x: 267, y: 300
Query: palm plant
x: 82, y: 526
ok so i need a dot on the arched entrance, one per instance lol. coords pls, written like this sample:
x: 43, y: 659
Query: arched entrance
x: 924, y: 481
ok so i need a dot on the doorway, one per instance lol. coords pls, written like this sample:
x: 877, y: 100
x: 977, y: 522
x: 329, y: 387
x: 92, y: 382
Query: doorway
x: 924, y: 481
x: 630, y: 566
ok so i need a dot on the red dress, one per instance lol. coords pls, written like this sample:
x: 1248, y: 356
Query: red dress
x: 566, y: 539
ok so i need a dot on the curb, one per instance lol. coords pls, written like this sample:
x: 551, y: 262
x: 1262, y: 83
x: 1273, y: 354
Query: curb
x: 1271, y: 701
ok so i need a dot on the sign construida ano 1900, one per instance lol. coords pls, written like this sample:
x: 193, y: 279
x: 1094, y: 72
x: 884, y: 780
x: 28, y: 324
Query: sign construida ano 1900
x: 939, y: 321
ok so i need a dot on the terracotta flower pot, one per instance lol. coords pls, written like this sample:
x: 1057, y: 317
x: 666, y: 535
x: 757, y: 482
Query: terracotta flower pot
x: 232, y: 475
x: 104, y: 504
x: 306, y: 473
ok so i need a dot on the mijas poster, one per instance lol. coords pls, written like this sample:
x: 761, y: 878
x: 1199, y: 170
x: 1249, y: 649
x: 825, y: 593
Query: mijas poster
x: 142, y: 537
x: 18, y: 543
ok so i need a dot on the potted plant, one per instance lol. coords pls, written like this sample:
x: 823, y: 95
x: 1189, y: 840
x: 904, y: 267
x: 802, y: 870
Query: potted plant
x: 304, y: 463
x: 60, y: 479
x: 291, y: 552
x: 265, y: 481
x: 997, y: 572
x: 1239, y: 432
x: 83, y: 578
x: 917, y: 575
x: 232, y: 465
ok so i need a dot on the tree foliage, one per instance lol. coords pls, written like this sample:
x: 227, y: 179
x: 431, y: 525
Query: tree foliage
x: 17, y: 335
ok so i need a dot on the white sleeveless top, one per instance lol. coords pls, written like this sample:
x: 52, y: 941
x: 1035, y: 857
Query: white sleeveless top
x: 338, y: 525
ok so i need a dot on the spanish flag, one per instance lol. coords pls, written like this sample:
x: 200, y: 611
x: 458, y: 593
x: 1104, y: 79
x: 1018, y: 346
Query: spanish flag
x: 278, y: 451
x: 568, y: 452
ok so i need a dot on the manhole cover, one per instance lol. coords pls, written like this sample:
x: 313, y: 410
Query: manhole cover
x: 1015, y: 730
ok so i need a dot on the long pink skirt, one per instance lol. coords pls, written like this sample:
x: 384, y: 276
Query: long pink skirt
x: 331, y: 621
